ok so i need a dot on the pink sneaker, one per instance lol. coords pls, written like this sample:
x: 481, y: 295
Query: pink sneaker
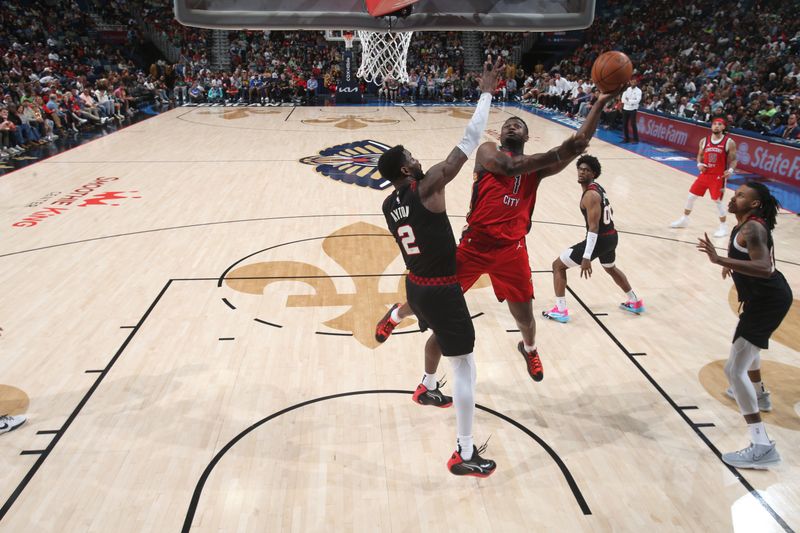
x: 558, y: 316
x: 636, y: 307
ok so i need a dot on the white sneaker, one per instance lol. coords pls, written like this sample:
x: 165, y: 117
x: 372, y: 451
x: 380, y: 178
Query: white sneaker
x: 758, y: 456
x: 682, y: 222
x: 722, y: 231
x: 764, y: 400
x: 10, y: 423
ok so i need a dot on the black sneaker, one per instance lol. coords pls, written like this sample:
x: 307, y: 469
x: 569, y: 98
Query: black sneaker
x: 477, y: 466
x: 434, y: 397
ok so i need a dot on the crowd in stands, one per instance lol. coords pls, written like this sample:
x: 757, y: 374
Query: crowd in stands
x: 693, y: 60
x: 700, y: 60
x: 56, y: 79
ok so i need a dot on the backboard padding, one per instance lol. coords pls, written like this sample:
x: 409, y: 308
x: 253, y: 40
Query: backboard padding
x: 428, y: 15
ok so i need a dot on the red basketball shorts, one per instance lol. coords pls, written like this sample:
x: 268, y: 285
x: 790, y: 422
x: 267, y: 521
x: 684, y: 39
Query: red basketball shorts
x: 713, y: 183
x: 507, y: 266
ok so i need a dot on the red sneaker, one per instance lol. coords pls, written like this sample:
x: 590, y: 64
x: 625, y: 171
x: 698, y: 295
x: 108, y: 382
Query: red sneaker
x: 434, y: 397
x: 477, y: 466
x: 533, y: 362
x: 385, y: 325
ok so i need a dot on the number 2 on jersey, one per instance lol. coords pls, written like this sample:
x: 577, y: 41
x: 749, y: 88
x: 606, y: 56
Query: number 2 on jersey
x: 408, y: 239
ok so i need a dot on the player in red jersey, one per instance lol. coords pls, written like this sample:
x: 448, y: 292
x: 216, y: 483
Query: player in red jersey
x: 716, y: 161
x: 503, y: 199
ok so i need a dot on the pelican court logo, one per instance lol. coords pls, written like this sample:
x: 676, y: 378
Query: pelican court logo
x: 354, y: 163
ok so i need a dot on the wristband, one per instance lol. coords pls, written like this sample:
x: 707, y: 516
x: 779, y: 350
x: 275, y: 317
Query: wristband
x: 591, y: 241
x: 699, y: 166
x: 731, y: 170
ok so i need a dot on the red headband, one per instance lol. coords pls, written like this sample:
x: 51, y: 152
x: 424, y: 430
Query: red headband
x: 722, y: 120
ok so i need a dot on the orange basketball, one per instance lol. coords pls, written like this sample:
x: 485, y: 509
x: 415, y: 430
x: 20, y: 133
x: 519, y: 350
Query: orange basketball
x: 611, y: 71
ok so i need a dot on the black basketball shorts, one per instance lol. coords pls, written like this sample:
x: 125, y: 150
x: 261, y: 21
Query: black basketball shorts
x: 605, y: 249
x: 761, y: 317
x: 443, y: 309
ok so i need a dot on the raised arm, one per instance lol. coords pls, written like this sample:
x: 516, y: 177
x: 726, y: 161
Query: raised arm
x: 585, y: 133
x: 442, y: 173
x: 502, y: 164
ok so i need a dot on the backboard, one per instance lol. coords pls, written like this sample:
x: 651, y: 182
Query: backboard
x: 428, y: 15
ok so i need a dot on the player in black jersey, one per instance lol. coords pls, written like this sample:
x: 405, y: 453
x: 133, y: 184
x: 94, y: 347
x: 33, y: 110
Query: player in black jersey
x: 416, y: 216
x: 765, y: 298
x: 600, y: 242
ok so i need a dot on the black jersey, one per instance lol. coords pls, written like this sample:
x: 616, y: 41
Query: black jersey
x: 606, y: 213
x: 750, y: 287
x: 425, y: 238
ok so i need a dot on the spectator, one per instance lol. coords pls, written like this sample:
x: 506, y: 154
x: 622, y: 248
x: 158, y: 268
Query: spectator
x: 630, y: 103
x: 790, y: 131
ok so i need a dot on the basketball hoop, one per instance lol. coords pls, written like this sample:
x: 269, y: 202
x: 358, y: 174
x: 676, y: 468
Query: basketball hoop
x: 348, y: 37
x: 383, y: 55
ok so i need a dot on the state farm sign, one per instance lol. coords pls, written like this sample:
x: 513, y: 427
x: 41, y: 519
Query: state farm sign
x: 771, y: 160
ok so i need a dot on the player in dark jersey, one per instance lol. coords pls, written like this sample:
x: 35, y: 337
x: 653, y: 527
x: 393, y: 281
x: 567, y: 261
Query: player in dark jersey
x: 600, y: 243
x: 416, y: 216
x: 765, y: 297
x: 716, y: 161
x: 503, y: 199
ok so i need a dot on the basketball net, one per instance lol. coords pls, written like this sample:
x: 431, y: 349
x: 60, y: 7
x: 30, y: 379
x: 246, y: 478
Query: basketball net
x: 383, y: 55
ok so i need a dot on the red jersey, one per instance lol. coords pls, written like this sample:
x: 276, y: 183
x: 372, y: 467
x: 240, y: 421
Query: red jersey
x: 502, y: 206
x: 715, y: 155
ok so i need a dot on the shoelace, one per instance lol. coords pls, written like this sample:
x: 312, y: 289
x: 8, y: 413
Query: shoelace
x: 534, y: 362
x: 483, y: 446
x: 742, y: 452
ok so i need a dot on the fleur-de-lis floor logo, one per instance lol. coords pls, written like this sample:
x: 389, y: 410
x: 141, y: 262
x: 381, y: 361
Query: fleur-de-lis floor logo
x: 349, y: 122
x: 454, y: 112
x: 364, y: 251
x: 240, y: 112
x: 355, y: 163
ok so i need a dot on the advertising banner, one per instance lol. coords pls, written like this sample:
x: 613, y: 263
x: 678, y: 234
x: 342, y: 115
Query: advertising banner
x: 347, y: 91
x: 771, y: 160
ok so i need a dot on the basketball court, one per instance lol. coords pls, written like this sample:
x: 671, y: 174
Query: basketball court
x: 189, y: 309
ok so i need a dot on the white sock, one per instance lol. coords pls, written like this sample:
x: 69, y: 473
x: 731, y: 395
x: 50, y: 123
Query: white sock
x: 429, y: 380
x: 758, y: 433
x: 528, y: 348
x: 465, y: 447
x: 632, y: 296
x: 396, y: 315
x: 759, y: 385
x: 561, y: 303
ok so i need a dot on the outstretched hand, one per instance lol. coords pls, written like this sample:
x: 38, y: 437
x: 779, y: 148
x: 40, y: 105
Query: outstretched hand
x: 488, y: 79
x: 605, y: 97
x: 705, y: 245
